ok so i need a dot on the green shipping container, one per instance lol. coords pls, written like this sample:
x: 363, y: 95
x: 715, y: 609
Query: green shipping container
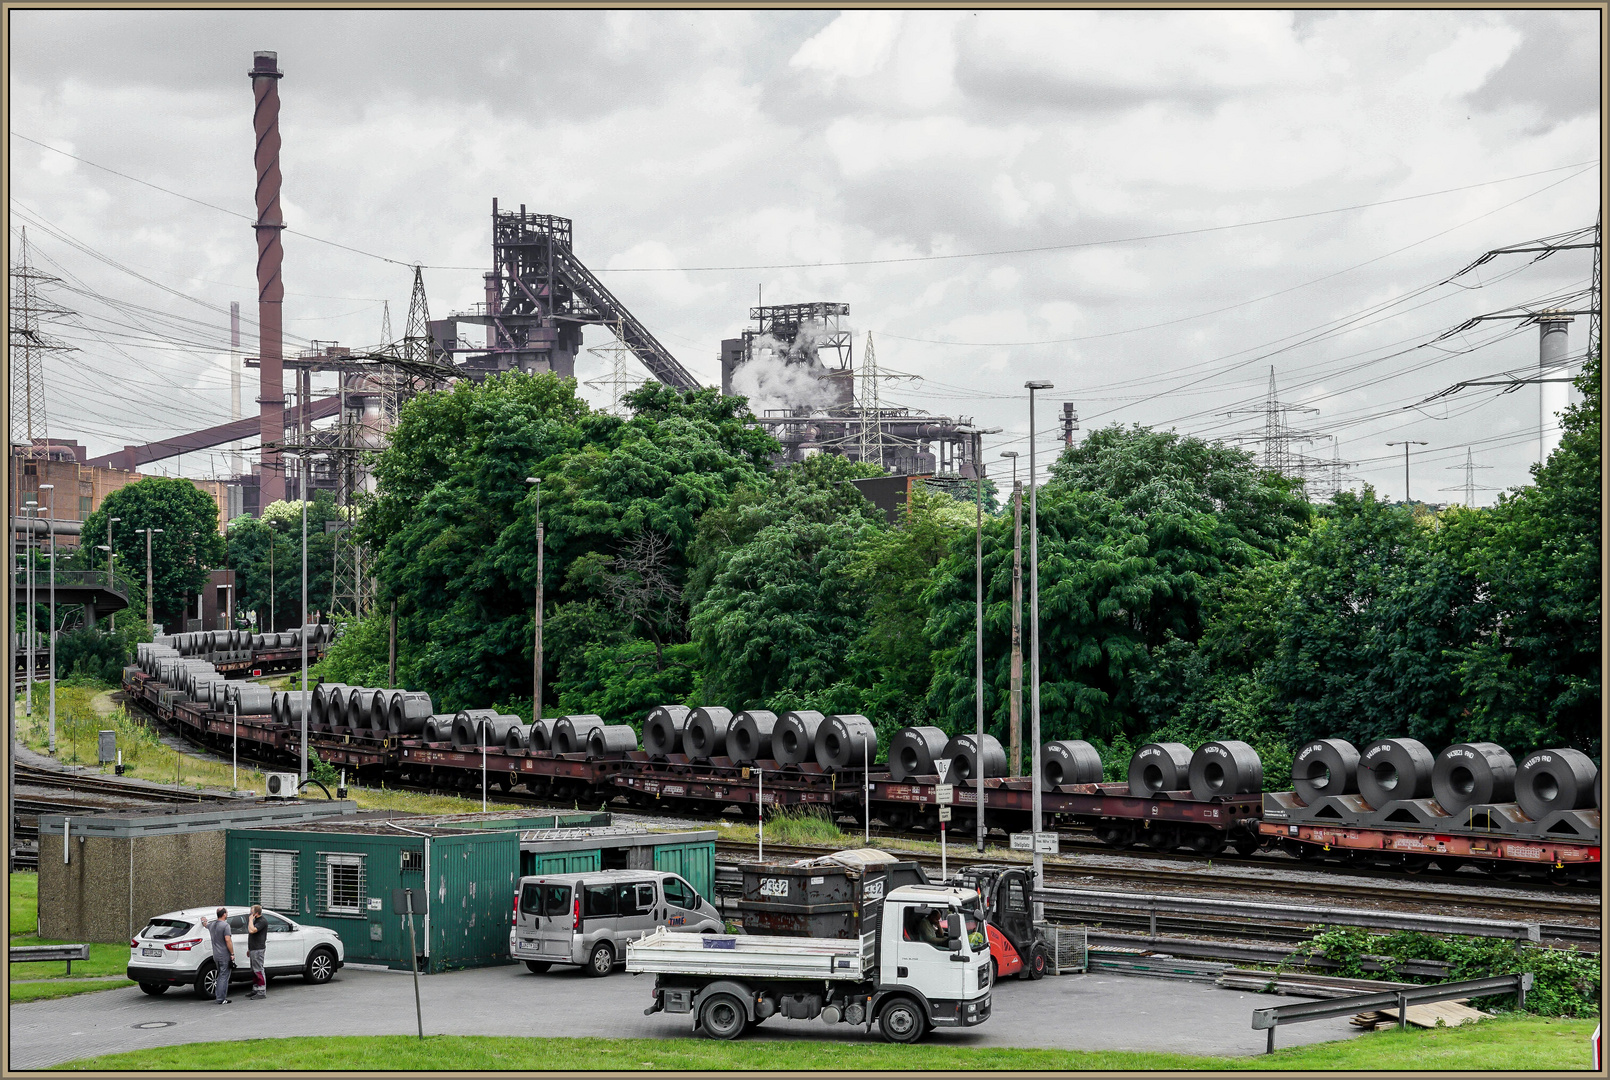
x: 695, y: 863
x: 344, y: 881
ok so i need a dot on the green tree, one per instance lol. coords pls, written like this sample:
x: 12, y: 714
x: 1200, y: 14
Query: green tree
x: 181, y: 555
x: 279, y: 530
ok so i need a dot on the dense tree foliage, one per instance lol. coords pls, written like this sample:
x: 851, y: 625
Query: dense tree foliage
x: 266, y: 555
x: 181, y: 555
x: 1184, y: 593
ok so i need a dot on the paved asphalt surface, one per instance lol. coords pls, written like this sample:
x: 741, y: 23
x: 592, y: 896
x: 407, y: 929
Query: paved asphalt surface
x: 1075, y: 1012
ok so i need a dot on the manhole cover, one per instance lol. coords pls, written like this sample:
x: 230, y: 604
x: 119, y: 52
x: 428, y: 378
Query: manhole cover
x: 151, y: 1024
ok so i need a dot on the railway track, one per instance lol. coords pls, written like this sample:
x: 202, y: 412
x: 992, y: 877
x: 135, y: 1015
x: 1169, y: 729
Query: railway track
x: 38, y: 777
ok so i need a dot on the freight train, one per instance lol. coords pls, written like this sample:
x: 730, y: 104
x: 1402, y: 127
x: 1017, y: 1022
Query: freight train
x: 1392, y: 805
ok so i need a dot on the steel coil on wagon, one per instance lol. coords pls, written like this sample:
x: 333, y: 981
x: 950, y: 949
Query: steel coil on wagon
x: 570, y: 732
x: 663, y: 730
x: 438, y: 729
x: 705, y: 736
x: 1159, y: 767
x: 1324, y: 767
x: 329, y: 703
x: 610, y: 740
x: 750, y: 736
x: 1069, y: 761
x: 846, y: 741
x: 517, y: 737
x: 499, y: 727
x: 254, y: 699
x: 467, y: 725
x: 1473, y: 774
x: 913, y: 751
x: 380, y: 708
x: 1225, y: 767
x: 408, y: 713
x: 293, y: 703
x: 966, y: 761
x: 1553, y: 780
x: 1393, y: 769
x: 793, y: 741
x: 539, y: 736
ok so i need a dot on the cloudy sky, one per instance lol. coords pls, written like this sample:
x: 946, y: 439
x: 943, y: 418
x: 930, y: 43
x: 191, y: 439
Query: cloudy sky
x: 1149, y: 209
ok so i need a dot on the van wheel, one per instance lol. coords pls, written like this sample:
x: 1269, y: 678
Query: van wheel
x: 154, y: 989
x: 601, y: 961
x: 901, y: 1021
x: 537, y: 967
x: 722, y: 1017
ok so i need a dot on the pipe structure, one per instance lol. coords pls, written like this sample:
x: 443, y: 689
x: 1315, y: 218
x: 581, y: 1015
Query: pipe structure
x: 265, y: 76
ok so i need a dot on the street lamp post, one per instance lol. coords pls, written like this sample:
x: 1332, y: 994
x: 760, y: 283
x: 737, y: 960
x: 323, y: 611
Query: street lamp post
x: 1406, y: 445
x: 1034, y: 653
x: 536, y: 652
x: 50, y: 523
x: 111, y: 582
x: 32, y: 506
x: 302, y: 636
x: 978, y: 618
x: 1016, y: 758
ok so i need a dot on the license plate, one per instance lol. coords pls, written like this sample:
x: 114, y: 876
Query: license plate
x: 150, y: 952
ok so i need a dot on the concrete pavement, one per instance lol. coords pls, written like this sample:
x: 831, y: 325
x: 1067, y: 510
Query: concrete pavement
x: 1073, y: 1012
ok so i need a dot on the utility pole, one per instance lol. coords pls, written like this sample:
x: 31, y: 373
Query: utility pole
x: 50, y: 627
x: 536, y: 653
x: 391, y: 669
x: 149, y: 618
x: 1406, y: 445
x: 1015, y: 759
x: 1469, y: 487
x: 978, y: 617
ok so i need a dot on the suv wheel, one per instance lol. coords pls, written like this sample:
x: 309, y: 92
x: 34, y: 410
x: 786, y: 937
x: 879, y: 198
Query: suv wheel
x: 154, y: 989
x: 207, y: 979
x: 320, y: 966
x: 601, y: 961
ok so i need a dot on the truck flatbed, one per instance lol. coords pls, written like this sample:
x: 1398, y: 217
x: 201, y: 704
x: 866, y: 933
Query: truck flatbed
x: 752, y: 956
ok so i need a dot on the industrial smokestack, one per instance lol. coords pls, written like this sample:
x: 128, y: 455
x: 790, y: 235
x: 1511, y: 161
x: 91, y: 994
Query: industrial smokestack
x: 1554, y: 346
x: 265, y: 76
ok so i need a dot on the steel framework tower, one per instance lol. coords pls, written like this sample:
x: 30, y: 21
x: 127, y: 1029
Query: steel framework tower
x: 1278, y: 436
x: 1470, y: 487
x: 539, y: 295
x: 620, y: 380
x: 28, y: 348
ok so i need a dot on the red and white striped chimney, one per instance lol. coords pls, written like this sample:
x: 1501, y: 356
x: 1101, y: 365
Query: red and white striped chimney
x: 265, y: 76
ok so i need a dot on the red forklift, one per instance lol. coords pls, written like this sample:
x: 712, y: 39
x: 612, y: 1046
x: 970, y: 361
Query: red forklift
x: 1006, y: 892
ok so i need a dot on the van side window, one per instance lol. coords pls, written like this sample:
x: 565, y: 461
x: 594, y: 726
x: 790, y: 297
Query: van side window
x: 680, y: 894
x: 598, y: 900
x: 633, y: 900
x: 645, y: 897
x: 531, y: 899
x: 556, y: 900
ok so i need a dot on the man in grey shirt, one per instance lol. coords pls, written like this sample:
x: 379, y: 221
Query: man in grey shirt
x: 223, y: 953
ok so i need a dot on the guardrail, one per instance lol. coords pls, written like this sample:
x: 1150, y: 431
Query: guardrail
x: 1290, y: 913
x: 38, y: 954
x: 1304, y: 1011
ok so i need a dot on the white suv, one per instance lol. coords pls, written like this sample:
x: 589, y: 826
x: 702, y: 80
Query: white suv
x: 176, y: 950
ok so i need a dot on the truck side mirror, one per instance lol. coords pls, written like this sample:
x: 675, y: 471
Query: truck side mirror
x: 955, y: 922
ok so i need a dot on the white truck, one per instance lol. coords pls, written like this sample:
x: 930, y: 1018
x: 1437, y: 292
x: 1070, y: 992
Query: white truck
x: 915, y: 970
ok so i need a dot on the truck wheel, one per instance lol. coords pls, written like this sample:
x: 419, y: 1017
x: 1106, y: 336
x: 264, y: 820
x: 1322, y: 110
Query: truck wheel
x: 722, y: 1017
x: 901, y: 1021
x: 537, y: 967
x: 601, y: 961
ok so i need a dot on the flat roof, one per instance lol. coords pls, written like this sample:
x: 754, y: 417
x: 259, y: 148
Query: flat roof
x: 192, y: 817
x: 618, y: 836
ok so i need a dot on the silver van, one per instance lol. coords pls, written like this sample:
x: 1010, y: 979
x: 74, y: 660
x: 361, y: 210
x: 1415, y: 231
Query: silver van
x: 587, y: 919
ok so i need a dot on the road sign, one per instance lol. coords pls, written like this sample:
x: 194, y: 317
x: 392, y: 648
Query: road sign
x: 944, y: 813
x: 408, y: 901
x: 942, y: 767
x: 1045, y: 843
x: 944, y: 794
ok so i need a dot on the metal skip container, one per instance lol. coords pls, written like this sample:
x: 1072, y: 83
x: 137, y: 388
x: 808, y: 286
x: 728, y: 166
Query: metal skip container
x: 836, y: 896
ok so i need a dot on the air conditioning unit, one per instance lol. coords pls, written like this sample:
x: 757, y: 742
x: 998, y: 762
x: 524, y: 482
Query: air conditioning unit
x: 282, y: 785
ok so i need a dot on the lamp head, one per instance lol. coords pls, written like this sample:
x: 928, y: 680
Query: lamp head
x: 114, y: 519
x: 533, y: 479
x: 1009, y: 453
x: 47, y: 487
x: 1038, y: 384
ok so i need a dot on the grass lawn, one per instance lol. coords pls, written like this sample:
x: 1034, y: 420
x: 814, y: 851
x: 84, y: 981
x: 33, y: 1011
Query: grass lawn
x: 26, y: 984
x: 1503, y: 1043
x: 47, y: 991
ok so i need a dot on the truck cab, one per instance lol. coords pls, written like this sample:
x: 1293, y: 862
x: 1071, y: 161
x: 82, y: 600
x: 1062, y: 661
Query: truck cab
x: 931, y: 955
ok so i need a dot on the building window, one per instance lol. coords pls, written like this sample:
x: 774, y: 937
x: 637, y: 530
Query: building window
x: 85, y: 507
x: 413, y: 861
x: 274, y: 879
x: 341, y: 883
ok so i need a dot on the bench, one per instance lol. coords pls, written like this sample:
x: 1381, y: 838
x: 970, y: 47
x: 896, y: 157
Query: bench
x: 34, y: 954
